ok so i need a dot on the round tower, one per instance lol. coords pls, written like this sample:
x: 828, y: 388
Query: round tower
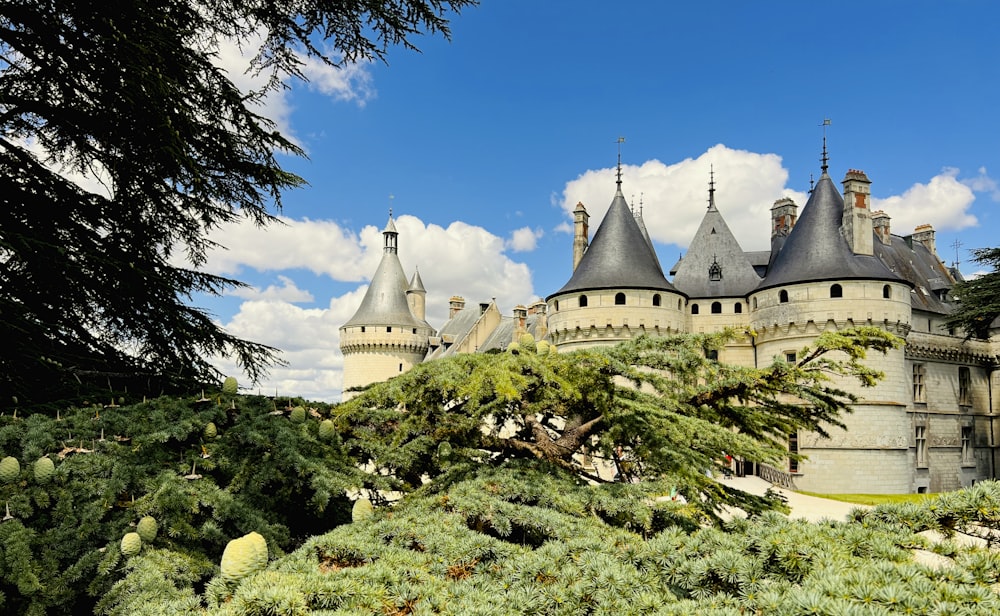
x: 388, y: 334
x: 617, y: 290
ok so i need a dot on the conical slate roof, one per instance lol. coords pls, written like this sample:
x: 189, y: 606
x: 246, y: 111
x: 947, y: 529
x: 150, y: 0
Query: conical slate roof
x: 619, y: 256
x: 714, y: 245
x: 417, y: 283
x: 816, y: 250
x: 385, y: 300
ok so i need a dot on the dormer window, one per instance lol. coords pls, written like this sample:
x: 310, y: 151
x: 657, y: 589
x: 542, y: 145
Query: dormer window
x: 714, y: 270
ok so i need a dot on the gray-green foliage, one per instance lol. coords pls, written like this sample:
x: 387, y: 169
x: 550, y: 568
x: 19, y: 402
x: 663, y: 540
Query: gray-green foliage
x: 524, y: 541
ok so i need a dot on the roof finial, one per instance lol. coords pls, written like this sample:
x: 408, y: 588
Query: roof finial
x: 711, y: 187
x: 825, y: 159
x: 391, y: 197
x: 810, y: 182
x: 621, y: 140
x: 640, y: 205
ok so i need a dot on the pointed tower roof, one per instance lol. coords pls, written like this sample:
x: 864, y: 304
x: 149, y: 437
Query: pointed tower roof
x: 416, y: 283
x: 816, y: 250
x: 619, y: 257
x: 385, y: 300
x: 715, y: 264
x: 645, y: 233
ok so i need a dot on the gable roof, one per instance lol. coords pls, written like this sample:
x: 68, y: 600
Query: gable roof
x: 714, y: 244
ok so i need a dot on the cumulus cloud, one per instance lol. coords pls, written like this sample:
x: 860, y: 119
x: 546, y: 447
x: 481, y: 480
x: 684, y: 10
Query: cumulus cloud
x: 983, y: 183
x: 287, y: 292
x: 458, y: 259
x: 524, y: 239
x: 943, y: 202
x: 673, y: 197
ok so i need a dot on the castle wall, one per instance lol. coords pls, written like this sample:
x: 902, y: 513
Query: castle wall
x: 603, y: 322
x: 373, y: 354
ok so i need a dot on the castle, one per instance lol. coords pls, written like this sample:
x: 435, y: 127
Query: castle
x: 928, y: 426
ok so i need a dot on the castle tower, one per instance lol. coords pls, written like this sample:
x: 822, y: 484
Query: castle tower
x: 386, y: 336
x: 617, y: 290
x: 857, y: 220
x: 819, y: 281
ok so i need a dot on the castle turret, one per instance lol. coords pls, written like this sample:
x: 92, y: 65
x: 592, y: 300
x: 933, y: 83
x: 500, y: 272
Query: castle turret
x: 416, y: 297
x: 857, y: 222
x: 385, y: 337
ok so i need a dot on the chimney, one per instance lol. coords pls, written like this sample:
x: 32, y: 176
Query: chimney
x: 925, y: 235
x: 784, y: 213
x: 856, y: 223
x: 581, y: 233
x: 880, y: 222
x: 455, y: 304
x: 520, y: 320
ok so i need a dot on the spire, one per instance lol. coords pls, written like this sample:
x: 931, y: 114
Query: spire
x: 711, y: 187
x: 621, y: 140
x: 390, y: 235
x: 825, y: 159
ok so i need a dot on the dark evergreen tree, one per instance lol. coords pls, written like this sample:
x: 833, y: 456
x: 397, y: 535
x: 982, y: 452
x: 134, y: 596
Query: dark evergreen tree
x: 89, y: 286
x: 978, y: 299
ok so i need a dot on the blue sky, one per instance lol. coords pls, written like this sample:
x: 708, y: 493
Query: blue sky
x: 482, y: 145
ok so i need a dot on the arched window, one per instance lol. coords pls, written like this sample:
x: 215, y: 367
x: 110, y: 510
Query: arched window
x: 716, y: 307
x: 656, y: 299
x: 694, y: 308
x: 783, y: 296
x: 738, y: 307
x: 619, y: 299
x: 887, y: 291
x: 583, y: 301
x: 836, y: 291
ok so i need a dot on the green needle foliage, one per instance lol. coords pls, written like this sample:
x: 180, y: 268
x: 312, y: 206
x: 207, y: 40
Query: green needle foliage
x: 59, y: 551
x: 649, y: 407
x: 979, y: 298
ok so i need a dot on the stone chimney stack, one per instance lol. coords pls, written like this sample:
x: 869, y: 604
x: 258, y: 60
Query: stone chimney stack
x: 581, y: 233
x: 925, y: 235
x: 880, y: 222
x: 539, y: 309
x: 520, y: 321
x: 856, y: 224
x: 455, y: 304
x: 784, y: 213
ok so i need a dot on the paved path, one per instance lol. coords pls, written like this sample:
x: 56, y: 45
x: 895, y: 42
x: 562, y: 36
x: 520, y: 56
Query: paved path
x: 806, y: 507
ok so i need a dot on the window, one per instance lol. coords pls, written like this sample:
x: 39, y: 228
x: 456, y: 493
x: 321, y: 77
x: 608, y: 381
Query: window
x: 414, y: 330
x: 793, y: 448
x: 716, y: 308
x: 362, y: 329
x: 388, y: 329
x: 967, y: 444
x: 920, y: 441
x: 715, y: 271
x: 836, y: 291
x: 656, y: 299
x: 755, y: 303
x: 790, y: 357
x: 679, y: 306
x: 619, y: 299
x: 583, y: 301
x: 400, y: 367
x: 887, y: 292
x: 919, y: 392
x: 964, y: 386
x: 555, y: 306
x: 783, y: 296
x: 694, y: 308
x: 712, y: 354
x: 738, y: 308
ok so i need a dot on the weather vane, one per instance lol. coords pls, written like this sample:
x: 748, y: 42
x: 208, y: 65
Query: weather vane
x: 956, y: 245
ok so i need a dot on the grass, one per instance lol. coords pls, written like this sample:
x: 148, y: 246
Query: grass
x: 871, y: 499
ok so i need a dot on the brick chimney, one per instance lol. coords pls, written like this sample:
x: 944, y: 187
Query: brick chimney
x: 880, y: 222
x: 925, y: 235
x: 856, y: 224
x: 784, y: 213
x: 581, y: 233
x: 455, y: 304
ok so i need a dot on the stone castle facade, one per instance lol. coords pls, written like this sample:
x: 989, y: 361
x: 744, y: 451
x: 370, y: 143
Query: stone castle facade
x: 929, y: 426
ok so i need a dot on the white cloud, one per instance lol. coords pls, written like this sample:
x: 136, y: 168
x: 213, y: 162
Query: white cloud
x: 674, y: 197
x: 457, y: 259
x: 984, y: 183
x: 287, y: 292
x: 524, y: 239
x: 943, y: 203
x: 352, y: 82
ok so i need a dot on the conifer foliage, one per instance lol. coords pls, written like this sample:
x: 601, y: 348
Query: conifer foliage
x: 127, y: 481
x: 648, y: 408
x: 979, y: 299
x: 96, y: 284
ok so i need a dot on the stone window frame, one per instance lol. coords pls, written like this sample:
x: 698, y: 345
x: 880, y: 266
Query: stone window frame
x: 967, y: 434
x: 619, y: 299
x: 793, y: 447
x: 919, y: 383
x: 920, y: 443
x: 964, y: 386
x: 716, y: 307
